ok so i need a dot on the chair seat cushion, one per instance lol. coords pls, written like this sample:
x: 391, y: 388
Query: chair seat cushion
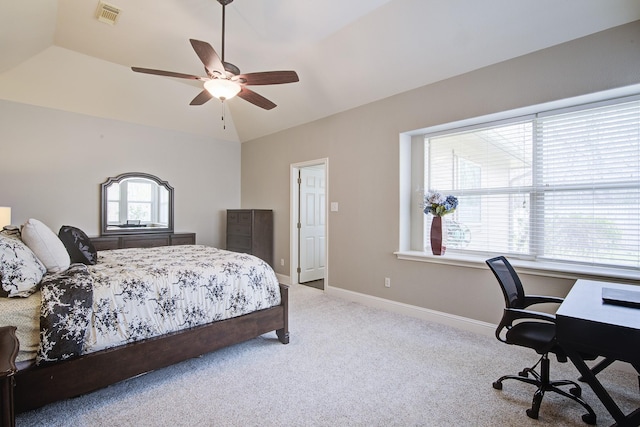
x: 535, y: 335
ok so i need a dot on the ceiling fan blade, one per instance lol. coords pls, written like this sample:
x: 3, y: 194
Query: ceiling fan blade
x: 208, y: 56
x: 255, y: 99
x: 268, y: 78
x: 202, y: 97
x: 165, y: 73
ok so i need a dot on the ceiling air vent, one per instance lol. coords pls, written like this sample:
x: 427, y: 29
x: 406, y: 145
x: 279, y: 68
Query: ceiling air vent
x: 107, y: 13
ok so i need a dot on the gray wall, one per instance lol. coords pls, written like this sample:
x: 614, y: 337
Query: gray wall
x: 363, y: 151
x: 53, y: 163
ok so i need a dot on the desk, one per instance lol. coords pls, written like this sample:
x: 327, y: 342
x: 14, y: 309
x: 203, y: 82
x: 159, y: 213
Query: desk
x: 585, y: 324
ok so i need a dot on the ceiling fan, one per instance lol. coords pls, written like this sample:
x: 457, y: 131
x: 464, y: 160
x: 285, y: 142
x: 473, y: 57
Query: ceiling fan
x: 223, y: 79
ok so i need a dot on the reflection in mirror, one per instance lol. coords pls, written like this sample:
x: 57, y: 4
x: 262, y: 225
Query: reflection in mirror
x: 136, y: 203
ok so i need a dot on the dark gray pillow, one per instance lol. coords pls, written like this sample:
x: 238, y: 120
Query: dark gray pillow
x: 78, y: 245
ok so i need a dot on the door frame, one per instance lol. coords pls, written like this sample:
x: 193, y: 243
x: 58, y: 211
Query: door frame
x: 294, y: 218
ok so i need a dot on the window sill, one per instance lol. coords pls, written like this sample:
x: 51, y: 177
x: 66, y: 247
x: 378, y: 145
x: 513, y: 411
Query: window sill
x: 547, y: 269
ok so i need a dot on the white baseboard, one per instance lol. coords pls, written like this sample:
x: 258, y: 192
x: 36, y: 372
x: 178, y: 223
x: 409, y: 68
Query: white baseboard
x: 285, y: 280
x: 458, y: 322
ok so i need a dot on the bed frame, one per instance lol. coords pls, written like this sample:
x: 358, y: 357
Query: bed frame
x: 36, y: 386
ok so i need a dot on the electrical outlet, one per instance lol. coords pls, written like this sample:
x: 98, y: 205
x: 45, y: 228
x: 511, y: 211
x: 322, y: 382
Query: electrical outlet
x: 282, y: 262
x: 387, y: 282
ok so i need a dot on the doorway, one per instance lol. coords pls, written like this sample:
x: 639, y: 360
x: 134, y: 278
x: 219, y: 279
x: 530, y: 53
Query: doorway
x: 309, y: 223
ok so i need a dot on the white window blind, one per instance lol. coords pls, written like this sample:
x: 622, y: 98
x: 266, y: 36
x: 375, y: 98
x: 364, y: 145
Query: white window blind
x: 561, y: 185
x: 590, y: 185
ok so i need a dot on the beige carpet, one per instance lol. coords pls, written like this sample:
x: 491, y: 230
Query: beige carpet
x: 346, y: 365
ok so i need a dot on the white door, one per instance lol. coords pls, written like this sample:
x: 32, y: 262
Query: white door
x: 312, y: 224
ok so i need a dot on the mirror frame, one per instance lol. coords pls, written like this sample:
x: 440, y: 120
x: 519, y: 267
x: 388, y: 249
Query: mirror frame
x: 105, y: 230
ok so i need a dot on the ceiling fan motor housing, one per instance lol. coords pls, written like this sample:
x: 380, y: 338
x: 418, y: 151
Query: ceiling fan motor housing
x: 230, y: 68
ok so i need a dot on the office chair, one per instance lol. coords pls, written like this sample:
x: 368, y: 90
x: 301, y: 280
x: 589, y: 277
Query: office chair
x: 535, y: 330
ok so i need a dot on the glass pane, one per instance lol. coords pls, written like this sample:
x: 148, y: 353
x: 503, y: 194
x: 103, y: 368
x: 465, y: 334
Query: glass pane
x: 595, y: 227
x: 163, y: 208
x: 113, y: 193
x: 598, y: 145
x: 140, y: 191
x: 141, y: 211
x: 483, y: 158
x: 490, y: 171
x: 113, y: 212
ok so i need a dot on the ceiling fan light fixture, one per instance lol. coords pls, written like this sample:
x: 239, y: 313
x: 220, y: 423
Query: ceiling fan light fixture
x: 222, y: 89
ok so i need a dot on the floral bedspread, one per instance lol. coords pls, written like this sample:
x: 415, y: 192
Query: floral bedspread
x: 65, y: 313
x: 142, y: 293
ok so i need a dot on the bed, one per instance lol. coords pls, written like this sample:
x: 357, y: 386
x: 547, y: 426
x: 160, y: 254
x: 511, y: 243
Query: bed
x: 134, y: 311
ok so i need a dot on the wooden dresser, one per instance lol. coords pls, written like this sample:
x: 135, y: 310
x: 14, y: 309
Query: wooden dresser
x: 142, y: 240
x: 251, y: 231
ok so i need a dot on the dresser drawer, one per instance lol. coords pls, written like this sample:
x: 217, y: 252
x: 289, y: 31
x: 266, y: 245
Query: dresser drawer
x: 239, y: 229
x: 145, y: 242
x: 183, y: 239
x: 105, y: 243
x: 244, y: 217
x: 239, y: 242
x: 239, y: 217
x: 232, y: 216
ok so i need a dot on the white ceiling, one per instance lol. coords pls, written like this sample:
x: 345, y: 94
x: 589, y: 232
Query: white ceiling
x: 56, y: 54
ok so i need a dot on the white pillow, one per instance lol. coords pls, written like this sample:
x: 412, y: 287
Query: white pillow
x: 46, y: 245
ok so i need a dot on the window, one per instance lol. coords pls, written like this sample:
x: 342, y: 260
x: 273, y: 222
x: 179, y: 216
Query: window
x: 560, y: 185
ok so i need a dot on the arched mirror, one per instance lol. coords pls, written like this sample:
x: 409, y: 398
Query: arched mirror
x: 136, y: 203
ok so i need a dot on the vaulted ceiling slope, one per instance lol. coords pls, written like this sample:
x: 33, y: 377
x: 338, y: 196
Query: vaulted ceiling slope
x: 56, y: 54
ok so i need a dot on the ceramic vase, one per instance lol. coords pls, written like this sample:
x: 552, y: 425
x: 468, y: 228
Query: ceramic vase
x: 438, y: 235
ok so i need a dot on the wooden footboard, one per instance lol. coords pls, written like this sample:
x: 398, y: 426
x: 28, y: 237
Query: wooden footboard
x: 8, y: 353
x: 36, y: 386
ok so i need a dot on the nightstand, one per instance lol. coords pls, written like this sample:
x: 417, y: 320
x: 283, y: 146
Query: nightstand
x: 8, y: 352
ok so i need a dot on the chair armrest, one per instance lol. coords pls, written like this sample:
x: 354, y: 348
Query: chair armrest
x: 511, y: 314
x: 541, y: 299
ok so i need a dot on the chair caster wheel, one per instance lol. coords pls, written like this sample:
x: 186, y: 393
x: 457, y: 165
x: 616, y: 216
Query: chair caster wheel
x: 532, y: 414
x: 575, y: 391
x: 589, y: 419
x: 497, y: 385
x: 523, y: 373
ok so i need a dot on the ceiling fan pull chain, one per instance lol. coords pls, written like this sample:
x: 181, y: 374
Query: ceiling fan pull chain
x: 224, y: 124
